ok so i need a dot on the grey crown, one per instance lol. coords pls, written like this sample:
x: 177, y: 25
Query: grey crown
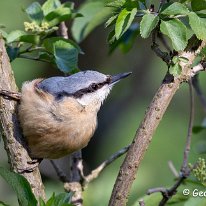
x: 71, y: 84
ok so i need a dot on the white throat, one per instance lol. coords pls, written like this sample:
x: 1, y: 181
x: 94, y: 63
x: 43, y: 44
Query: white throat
x: 95, y: 98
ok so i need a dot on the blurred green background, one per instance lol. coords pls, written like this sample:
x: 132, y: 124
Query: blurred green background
x: 119, y: 117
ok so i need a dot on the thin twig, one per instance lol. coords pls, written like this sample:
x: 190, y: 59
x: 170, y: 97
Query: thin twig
x: 75, y: 181
x: 60, y: 173
x: 155, y: 47
x: 96, y: 172
x: 164, y: 42
x: 168, y: 193
x: 155, y: 190
x: 141, y: 203
x: 185, y: 170
x: 173, y: 169
x: 189, y: 134
x: 63, y: 30
x: 198, y: 68
x: 163, y: 55
x: 16, y: 96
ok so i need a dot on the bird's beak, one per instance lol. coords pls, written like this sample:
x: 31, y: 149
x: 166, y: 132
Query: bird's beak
x: 118, y: 77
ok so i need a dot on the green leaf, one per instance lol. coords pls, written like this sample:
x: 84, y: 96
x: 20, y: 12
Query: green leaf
x: 20, y: 186
x: 35, y: 12
x: 50, y: 5
x: 111, y: 20
x: 94, y: 13
x: 176, y: 31
x: 33, y: 39
x: 129, y: 37
x: 15, y: 35
x: 197, y: 60
x: 124, y: 21
x: 198, y: 25
x: 49, y: 44
x: 41, y: 202
x: 183, y: 1
x: 174, y: 9
x: 22, y: 36
x: 197, y: 129
x: 198, y: 5
x: 3, y: 34
x: 183, y: 59
x: 58, y: 15
x: 12, y: 52
x: 126, y: 41
x: 66, y: 56
x: 46, y: 57
x: 175, y: 69
x: 195, y: 201
x: 203, y: 51
x: 62, y: 199
x: 116, y: 4
x: 155, y: 198
x: 147, y: 24
x: 178, y: 198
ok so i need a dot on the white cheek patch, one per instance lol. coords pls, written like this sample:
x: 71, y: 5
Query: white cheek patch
x: 95, y: 97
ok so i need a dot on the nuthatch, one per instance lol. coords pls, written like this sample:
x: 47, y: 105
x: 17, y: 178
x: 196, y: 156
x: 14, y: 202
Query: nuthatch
x: 58, y: 115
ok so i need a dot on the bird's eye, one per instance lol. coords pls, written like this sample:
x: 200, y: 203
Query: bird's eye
x: 94, y: 86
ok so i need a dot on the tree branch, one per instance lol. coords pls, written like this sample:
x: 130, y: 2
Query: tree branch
x: 163, y: 55
x: 63, y: 30
x: 185, y: 170
x: 14, y: 143
x: 75, y: 182
x: 141, y: 203
x: 146, y: 130
x: 173, y: 169
x: 60, y: 173
x: 141, y: 141
x: 96, y: 172
x: 189, y: 134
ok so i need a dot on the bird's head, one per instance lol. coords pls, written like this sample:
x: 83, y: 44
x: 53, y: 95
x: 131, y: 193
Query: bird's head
x: 89, y: 88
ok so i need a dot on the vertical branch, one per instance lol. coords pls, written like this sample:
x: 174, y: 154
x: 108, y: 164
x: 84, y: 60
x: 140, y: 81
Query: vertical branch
x: 75, y: 181
x: 63, y: 30
x: 185, y: 170
x: 147, y: 129
x: 14, y: 143
x: 141, y: 140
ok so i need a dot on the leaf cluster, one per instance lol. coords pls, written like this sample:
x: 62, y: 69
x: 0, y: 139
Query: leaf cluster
x: 178, y: 20
x: 38, y: 38
x: 24, y: 193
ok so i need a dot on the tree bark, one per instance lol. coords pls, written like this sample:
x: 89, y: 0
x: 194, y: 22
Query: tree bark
x: 148, y: 126
x: 141, y: 141
x: 14, y: 142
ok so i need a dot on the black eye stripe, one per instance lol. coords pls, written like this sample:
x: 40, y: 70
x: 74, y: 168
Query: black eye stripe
x: 78, y: 94
x: 92, y: 88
